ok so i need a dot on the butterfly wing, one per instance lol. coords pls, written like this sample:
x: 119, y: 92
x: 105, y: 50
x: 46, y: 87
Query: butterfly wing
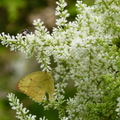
x: 49, y: 85
x: 36, y: 85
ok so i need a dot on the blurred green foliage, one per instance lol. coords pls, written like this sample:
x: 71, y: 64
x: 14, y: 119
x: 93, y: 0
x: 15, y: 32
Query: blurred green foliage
x: 12, y: 7
x: 116, y: 41
x: 17, y: 15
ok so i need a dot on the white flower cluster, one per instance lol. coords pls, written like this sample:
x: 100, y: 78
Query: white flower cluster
x: 61, y: 12
x: 82, y: 51
x: 22, y: 113
x: 118, y: 107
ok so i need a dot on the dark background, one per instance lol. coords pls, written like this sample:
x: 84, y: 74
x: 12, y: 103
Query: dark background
x: 17, y: 15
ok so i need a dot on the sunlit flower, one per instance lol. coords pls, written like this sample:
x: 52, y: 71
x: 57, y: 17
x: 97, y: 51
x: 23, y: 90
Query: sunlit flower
x: 83, y: 51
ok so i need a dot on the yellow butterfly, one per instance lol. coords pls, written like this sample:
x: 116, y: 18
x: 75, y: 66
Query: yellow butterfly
x: 36, y: 84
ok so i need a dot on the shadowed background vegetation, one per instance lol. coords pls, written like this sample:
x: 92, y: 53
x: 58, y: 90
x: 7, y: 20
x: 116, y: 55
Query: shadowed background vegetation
x: 17, y: 15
